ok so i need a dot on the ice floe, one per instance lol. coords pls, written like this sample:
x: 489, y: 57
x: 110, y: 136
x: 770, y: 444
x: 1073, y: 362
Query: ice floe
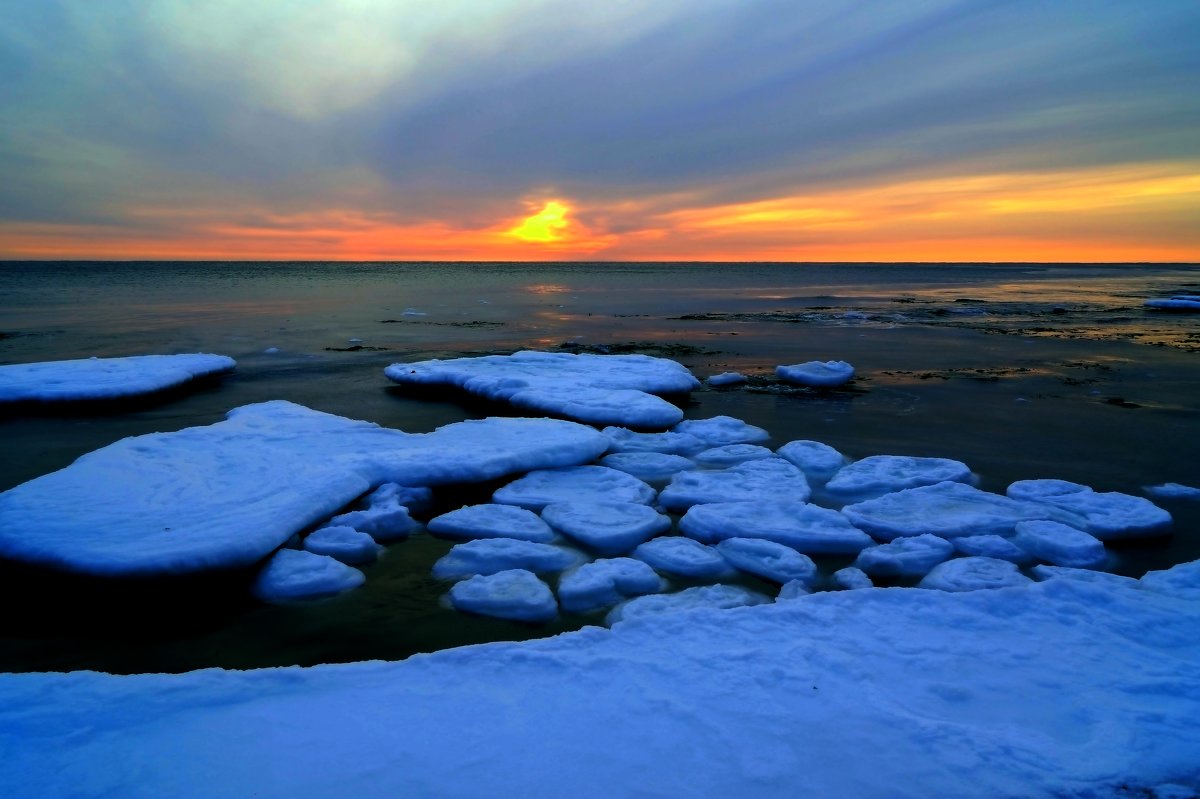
x: 703, y: 597
x: 731, y: 455
x: 670, y: 443
x: 818, y: 374
x: 794, y: 589
x: 803, y: 527
x: 228, y: 494
x: 385, y: 520
x: 95, y: 379
x: 415, y: 498
x: 726, y: 379
x: 683, y: 557
x: 492, y: 521
x: 651, y: 467
x: 991, y: 546
x: 598, y: 389
x: 343, y: 543
x: 818, y: 461
x: 1182, y: 302
x: 905, y: 557
x: 1107, y: 515
x: 1046, y: 572
x: 769, y: 560
x: 752, y: 481
x: 1060, y: 545
x: 610, y: 528
x: 720, y: 430
x: 491, y: 555
x: 877, y: 475
x: 948, y: 510
x: 852, y: 578
x: 514, y: 594
x: 973, y: 574
x: 603, y: 583
x: 292, y: 575
x: 545, y: 487
x: 1173, y: 491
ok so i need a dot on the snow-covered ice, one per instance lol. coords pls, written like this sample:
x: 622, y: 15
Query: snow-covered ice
x: 545, y: 487
x: 342, y: 543
x: 95, y: 379
x: 292, y: 575
x: 992, y: 546
x: 622, y: 439
x: 707, y: 597
x: 877, y: 475
x: 650, y: 467
x: 228, y: 494
x: 1178, y: 303
x: 603, y: 583
x: 731, y: 455
x: 818, y: 461
x: 948, y: 510
x: 684, y: 557
x: 1060, y: 545
x: 905, y: 557
x: 794, y: 589
x: 720, y: 430
x: 852, y: 578
x: 753, y: 481
x: 610, y: 528
x: 803, y: 527
x: 514, y: 594
x: 1181, y: 581
x: 491, y: 555
x: 1060, y: 688
x: 726, y: 379
x: 416, y: 498
x: 598, y: 389
x: 1046, y: 572
x: 768, y: 560
x: 973, y: 574
x: 492, y: 521
x: 1173, y: 491
x: 1107, y: 515
x: 818, y: 374
x: 385, y: 520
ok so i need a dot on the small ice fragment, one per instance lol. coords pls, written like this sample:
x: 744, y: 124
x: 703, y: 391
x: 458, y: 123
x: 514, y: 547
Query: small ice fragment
x: 726, y: 379
x: 803, y: 527
x: 385, y: 522
x: 669, y: 443
x: 793, y: 589
x: 292, y: 574
x: 753, y: 481
x: 1173, y: 491
x: 610, y: 528
x: 415, y: 498
x: 884, y: 474
x: 412, y: 312
x: 731, y: 455
x: 851, y: 578
x: 651, y: 467
x: 492, y: 521
x: 356, y: 341
x: 683, y: 557
x: 768, y: 560
x: 818, y: 461
x: 905, y: 557
x: 545, y: 487
x: 991, y: 546
x: 1178, y: 303
x: 343, y: 543
x: 491, y: 555
x: 973, y: 574
x: 1059, y: 544
x: 270, y: 350
x: 514, y: 594
x: 603, y: 583
x: 818, y: 374
x: 715, y: 597
x: 720, y: 430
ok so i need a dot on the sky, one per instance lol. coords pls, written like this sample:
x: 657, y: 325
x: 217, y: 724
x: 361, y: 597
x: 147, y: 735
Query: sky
x: 672, y: 130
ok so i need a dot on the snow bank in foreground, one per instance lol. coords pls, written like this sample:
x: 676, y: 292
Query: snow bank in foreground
x: 1062, y: 688
x: 599, y: 389
x: 228, y: 494
x: 105, y: 378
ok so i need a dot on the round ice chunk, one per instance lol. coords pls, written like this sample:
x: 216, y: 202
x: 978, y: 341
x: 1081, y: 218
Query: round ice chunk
x: 343, y: 543
x: 491, y: 555
x: 415, y: 498
x: 492, y: 521
x: 905, y: 557
x: 973, y: 574
x: 793, y: 589
x: 648, y: 466
x: 883, y: 474
x: 726, y: 379
x: 991, y: 546
x: 383, y: 522
x: 603, y: 583
x: 624, y: 440
x: 716, y: 597
x: 803, y: 527
x: 1107, y: 515
x: 731, y: 455
x: 291, y: 574
x: 1059, y: 544
x: 721, y: 430
x: 514, y: 594
x: 768, y: 560
x: 818, y: 461
x: 684, y: 557
x: 538, y: 489
x: 1173, y: 491
x: 610, y: 528
x: 1044, y: 489
x: 819, y: 374
x: 851, y: 578
x: 752, y: 481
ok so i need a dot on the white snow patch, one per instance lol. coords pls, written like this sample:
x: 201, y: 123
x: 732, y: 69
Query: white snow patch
x: 905, y: 557
x: 292, y: 575
x: 603, y: 583
x: 610, y: 528
x: 545, y: 487
x: 973, y: 574
x: 877, y: 475
x: 91, y: 379
x: 1108, y: 515
x: 514, y: 594
x: 818, y: 461
x: 683, y: 557
x: 752, y: 481
x: 769, y: 560
x: 491, y: 555
x: 651, y: 467
x: 720, y: 430
x: 1060, y: 545
x: 818, y: 374
x: 492, y: 521
x: 704, y: 597
x: 343, y: 543
x: 803, y: 527
x: 731, y: 455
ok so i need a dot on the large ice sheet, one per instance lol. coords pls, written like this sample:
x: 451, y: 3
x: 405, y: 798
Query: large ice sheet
x: 545, y: 487
x: 492, y: 521
x: 818, y: 461
x: 754, y: 481
x: 598, y: 389
x: 818, y: 374
x: 768, y: 560
x: 603, y: 583
x: 1109, y: 515
x: 803, y: 527
x: 883, y: 474
x: 720, y: 430
x: 292, y: 575
x: 684, y: 557
x: 1055, y: 689
x: 491, y: 555
x: 973, y: 574
x: 948, y: 510
x: 228, y: 494
x: 610, y: 528
x: 515, y: 594
x: 1060, y: 545
x: 93, y: 379
x: 905, y: 557
x: 710, y: 597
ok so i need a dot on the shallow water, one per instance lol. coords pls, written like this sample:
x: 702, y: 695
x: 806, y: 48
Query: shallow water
x: 1020, y: 370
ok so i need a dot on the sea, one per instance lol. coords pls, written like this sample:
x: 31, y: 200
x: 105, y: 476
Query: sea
x: 1019, y: 370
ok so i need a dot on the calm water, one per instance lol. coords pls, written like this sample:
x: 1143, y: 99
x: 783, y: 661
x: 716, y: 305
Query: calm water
x: 1019, y: 370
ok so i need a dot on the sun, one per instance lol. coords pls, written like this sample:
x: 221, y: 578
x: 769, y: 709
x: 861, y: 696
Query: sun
x: 548, y: 224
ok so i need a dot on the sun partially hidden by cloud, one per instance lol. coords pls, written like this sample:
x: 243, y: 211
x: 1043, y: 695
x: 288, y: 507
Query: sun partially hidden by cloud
x: 547, y: 225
